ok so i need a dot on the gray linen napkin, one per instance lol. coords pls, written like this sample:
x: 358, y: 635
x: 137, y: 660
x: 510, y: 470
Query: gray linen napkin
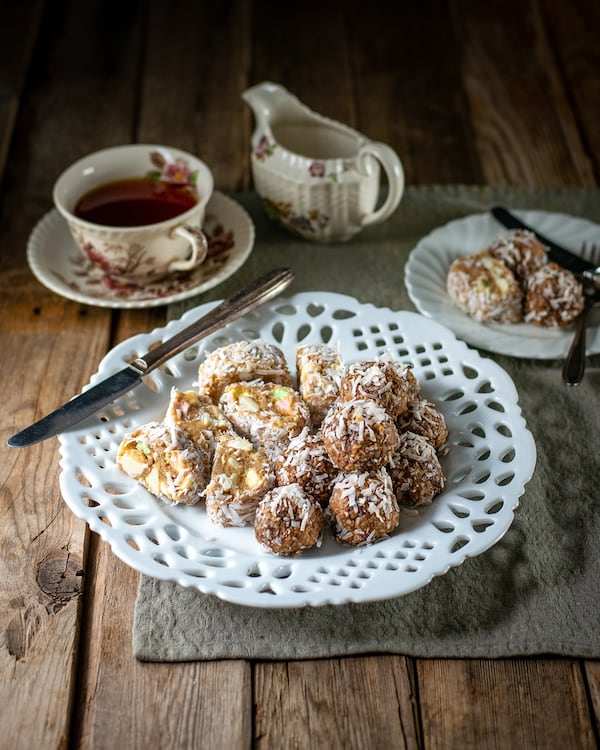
x: 536, y: 591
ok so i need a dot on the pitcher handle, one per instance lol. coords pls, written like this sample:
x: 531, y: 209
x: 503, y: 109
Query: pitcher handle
x: 392, y: 167
x: 197, y: 239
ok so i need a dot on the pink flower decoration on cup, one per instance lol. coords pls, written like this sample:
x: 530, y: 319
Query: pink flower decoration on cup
x: 177, y: 171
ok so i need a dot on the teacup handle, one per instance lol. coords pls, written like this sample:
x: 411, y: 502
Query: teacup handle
x: 199, y: 243
x: 392, y: 167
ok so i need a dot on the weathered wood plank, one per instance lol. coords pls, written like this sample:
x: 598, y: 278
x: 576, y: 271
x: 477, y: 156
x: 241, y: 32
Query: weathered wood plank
x: 18, y: 32
x: 333, y: 703
x: 534, y: 703
x: 572, y: 28
x: 573, y: 32
x: 525, y: 130
x: 345, y: 703
x: 188, y: 99
x: 19, y: 24
x: 592, y: 671
x: 418, y: 108
x: 50, y: 347
x: 476, y: 122
x: 192, y: 84
x: 308, y: 54
x: 129, y: 704
x: 42, y: 542
x: 510, y: 77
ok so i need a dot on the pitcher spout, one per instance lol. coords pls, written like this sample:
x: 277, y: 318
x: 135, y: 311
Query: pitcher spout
x: 272, y: 103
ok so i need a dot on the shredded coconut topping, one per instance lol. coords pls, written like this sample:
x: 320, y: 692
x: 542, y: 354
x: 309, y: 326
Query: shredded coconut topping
x: 254, y: 430
x: 485, y: 288
x: 554, y: 297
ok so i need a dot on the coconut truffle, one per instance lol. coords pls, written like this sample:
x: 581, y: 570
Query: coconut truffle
x: 484, y: 288
x: 240, y: 477
x: 554, y: 297
x: 359, y: 435
x: 268, y: 414
x: 288, y: 520
x: 363, y: 507
x: 521, y: 252
x: 306, y: 462
x: 379, y: 381
x: 423, y: 418
x: 238, y: 362
x: 166, y: 462
x: 410, y: 385
x: 416, y: 472
x: 319, y: 369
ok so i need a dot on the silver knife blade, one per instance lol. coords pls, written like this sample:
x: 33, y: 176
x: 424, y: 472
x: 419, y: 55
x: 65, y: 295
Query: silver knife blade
x: 91, y: 400
x: 76, y: 410
x: 556, y: 253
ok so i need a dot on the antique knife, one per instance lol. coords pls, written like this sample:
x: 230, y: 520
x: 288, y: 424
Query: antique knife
x: 91, y: 400
x: 556, y: 253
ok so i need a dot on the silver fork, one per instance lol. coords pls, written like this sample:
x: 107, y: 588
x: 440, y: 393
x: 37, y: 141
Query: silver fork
x: 574, y: 364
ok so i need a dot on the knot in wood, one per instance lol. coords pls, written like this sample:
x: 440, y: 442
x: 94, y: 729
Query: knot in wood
x: 59, y: 576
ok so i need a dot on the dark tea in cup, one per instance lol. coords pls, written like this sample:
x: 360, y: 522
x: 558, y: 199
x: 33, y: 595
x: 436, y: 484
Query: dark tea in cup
x: 135, y: 202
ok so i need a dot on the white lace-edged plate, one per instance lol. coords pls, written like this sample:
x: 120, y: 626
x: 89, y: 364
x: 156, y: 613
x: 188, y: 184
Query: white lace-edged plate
x: 491, y: 457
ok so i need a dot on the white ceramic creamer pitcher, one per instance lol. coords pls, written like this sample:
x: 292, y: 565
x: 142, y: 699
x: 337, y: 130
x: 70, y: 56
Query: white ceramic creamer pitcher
x: 317, y: 177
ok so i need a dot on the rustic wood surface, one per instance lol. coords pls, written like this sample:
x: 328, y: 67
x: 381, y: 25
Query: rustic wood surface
x: 498, y: 93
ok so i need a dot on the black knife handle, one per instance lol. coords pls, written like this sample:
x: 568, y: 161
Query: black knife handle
x: 556, y: 253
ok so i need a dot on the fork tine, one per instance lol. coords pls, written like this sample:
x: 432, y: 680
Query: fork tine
x: 590, y: 252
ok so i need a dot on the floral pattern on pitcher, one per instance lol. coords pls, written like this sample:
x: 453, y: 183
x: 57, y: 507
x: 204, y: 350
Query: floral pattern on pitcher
x: 317, y: 169
x: 264, y: 148
x: 302, y: 224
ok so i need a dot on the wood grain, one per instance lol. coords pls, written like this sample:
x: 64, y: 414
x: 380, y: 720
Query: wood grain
x: 54, y: 345
x: 18, y: 33
x: 504, y: 703
x: 309, y: 54
x: 420, y: 110
x: 212, y: 703
x: 573, y: 36
x: 123, y: 702
x: 592, y: 672
x: 336, y: 703
x: 43, y: 543
x: 525, y: 131
x: 192, y: 83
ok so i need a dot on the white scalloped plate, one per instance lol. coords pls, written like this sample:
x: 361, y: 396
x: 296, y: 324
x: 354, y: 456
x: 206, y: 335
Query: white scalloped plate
x: 491, y: 458
x: 427, y: 269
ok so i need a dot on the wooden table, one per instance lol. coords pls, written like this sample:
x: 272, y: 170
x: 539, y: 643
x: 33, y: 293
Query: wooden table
x: 496, y: 92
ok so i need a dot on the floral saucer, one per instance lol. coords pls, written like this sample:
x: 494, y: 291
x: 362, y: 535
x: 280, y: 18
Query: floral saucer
x: 57, y: 263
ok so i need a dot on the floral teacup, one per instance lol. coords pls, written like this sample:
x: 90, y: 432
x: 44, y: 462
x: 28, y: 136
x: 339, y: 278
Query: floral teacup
x: 148, y: 251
